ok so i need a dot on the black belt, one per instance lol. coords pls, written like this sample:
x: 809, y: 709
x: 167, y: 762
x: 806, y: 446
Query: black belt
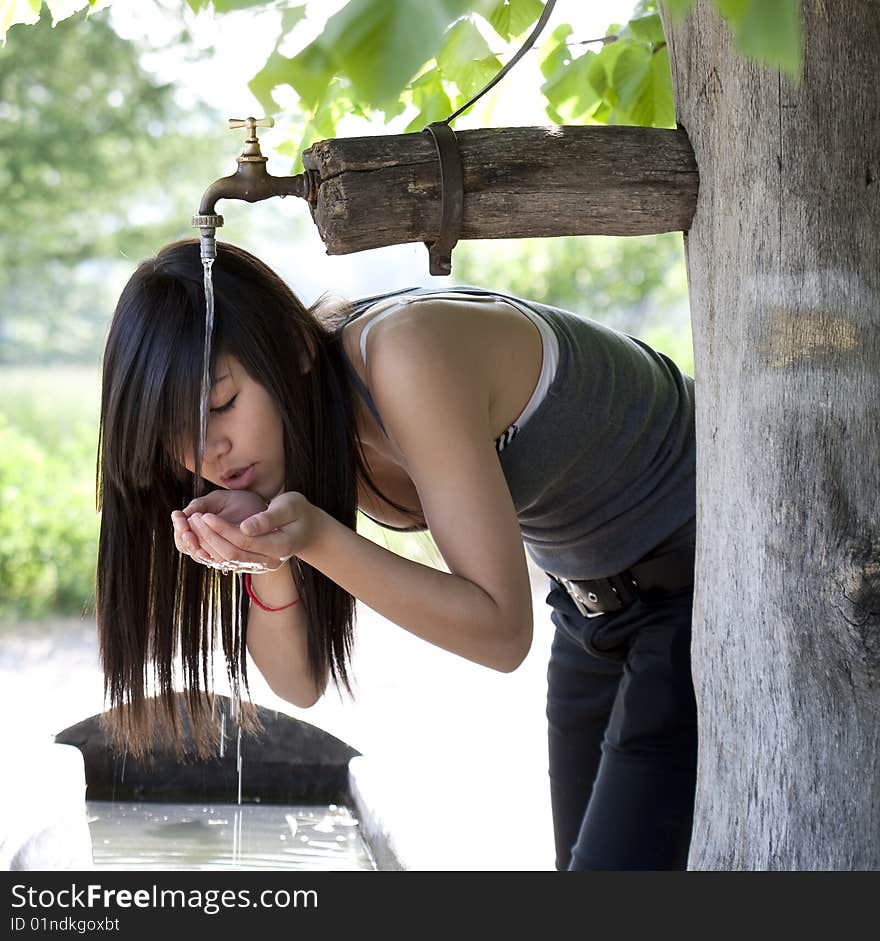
x: 646, y: 581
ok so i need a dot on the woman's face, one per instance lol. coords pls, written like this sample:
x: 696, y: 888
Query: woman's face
x: 244, y: 448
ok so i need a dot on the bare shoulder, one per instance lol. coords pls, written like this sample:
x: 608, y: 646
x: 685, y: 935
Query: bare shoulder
x: 430, y: 348
x: 433, y: 325
x: 433, y: 396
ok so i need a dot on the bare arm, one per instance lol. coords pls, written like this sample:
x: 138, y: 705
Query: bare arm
x: 427, y: 387
x: 445, y: 609
x: 277, y: 640
x: 448, y: 610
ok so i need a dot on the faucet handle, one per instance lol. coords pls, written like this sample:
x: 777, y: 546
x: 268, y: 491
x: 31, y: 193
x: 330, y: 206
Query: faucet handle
x: 251, y: 152
x: 251, y: 124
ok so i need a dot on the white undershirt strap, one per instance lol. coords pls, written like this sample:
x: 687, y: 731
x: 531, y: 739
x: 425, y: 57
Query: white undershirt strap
x: 550, y: 343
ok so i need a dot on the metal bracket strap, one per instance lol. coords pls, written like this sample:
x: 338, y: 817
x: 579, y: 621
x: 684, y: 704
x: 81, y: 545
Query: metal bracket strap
x: 451, y: 198
x: 451, y: 175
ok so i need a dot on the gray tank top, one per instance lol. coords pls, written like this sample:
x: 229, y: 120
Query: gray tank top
x: 603, y: 472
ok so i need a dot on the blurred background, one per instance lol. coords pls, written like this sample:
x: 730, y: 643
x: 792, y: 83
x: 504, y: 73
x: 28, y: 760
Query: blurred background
x: 111, y: 127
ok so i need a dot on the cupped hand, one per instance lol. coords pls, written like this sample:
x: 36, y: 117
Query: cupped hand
x: 262, y: 541
x: 230, y: 505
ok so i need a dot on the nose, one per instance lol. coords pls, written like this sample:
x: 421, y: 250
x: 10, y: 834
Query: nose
x: 217, y: 443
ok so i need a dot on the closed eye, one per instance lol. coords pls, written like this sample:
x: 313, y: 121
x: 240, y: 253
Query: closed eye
x: 225, y: 408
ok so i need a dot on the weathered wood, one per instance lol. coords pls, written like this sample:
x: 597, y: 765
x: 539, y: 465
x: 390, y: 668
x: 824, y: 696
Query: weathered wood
x: 518, y: 182
x: 785, y: 296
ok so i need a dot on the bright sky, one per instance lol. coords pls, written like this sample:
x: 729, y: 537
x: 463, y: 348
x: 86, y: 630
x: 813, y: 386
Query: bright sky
x: 241, y: 42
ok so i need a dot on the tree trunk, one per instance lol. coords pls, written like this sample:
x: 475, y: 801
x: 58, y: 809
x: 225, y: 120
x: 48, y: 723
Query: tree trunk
x: 518, y: 182
x: 784, y: 270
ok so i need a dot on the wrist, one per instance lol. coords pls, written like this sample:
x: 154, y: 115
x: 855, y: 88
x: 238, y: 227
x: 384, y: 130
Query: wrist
x: 273, y: 590
x: 320, y: 526
x: 269, y: 579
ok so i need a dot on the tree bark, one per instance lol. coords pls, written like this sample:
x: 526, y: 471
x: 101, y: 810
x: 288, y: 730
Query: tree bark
x: 518, y: 182
x: 783, y: 262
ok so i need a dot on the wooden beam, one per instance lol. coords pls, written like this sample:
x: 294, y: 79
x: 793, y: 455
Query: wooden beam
x: 519, y: 182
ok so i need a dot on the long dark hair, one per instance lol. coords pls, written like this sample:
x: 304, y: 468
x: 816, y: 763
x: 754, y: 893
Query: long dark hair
x: 151, y: 601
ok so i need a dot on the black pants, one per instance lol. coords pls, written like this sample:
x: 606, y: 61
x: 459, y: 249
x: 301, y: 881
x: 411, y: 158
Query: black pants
x: 622, y: 734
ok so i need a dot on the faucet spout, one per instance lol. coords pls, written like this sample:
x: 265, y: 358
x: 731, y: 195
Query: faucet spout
x: 251, y: 182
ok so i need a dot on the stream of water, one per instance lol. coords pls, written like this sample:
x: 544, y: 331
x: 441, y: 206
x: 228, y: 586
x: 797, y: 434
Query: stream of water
x: 204, y: 400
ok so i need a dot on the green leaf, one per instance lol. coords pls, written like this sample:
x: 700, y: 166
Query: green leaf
x: 570, y: 92
x: 272, y: 74
x: 597, y: 76
x: 661, y: 80
x: 380, y: 45
x: 466, y: 59
x: 227, y: 6
x: 499, y: 19
x: 390, y: 112
x: 429, y: 96
x: 62, y: 9
x: 288, y: 148
x: 606, y: 60
x: 472, y: 77
x: 289, y: 18
x: 17, y: 11
x: 555, y: 54
x: 462, y: 43
x: 603, y: 114
x: 654, y: 107
x: 770, y: 32
x: 647, y: 28
x: 513, y: 17
x: 631, y: 72
x: 523, y: 14
x: 309, y: 73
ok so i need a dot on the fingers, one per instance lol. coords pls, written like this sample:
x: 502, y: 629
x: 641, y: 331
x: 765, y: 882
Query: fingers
x: 214, y: 537
x: 185, y: 540
x: 216, y: 525
x: 284, y: 509
x: 183, y: 537
x: 257, y: 524
x: 203, y: 504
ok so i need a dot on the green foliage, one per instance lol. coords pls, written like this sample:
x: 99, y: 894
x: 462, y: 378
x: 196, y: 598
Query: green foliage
x: 637, y: 285
x: 365, y: 60
x: 627, y: 82
x: 383, y: 56
x: 98, y: 165
x: 466, y: 58
x: 224, y: 6
x: 512, y: 18
x: 767, y: 31
x: 48, y: 523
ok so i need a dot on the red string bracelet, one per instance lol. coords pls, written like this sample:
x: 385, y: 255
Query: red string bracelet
x: 258, y: 603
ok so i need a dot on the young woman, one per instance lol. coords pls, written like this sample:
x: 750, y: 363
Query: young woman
x: 499, y: 424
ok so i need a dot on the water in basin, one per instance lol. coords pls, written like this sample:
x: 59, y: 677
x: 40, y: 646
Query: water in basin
x: 165, y: 836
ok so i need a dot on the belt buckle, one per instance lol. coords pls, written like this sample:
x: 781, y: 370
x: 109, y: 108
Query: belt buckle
x: 573, y: 593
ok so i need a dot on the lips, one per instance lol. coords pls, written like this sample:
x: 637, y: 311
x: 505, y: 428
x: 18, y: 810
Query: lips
x: 239, y: 478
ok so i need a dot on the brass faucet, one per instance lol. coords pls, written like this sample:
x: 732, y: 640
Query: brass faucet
x: 250, y: 182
